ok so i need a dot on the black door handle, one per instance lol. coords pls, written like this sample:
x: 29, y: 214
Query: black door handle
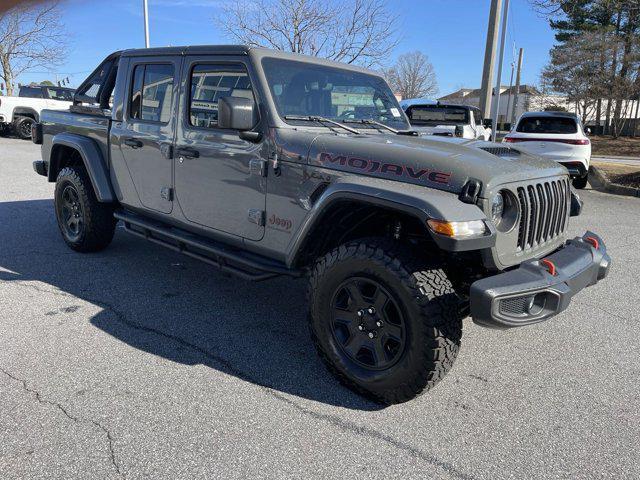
x: 133, y: 143
x: 187, y: 152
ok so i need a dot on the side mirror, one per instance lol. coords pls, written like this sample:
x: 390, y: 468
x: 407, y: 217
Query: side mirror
x: 587, y: 132
x: 487, y: 123
x: 237, y: 113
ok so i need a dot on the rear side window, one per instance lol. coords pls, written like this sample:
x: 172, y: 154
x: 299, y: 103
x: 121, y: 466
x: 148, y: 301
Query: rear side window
x: 152, y: 93
x: 210, y: 83
x: 561, y: 125
x: 30, y: 92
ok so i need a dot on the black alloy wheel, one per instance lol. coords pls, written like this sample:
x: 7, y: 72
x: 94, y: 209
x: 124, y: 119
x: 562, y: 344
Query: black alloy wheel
x: 71, y: 213
x: 367, y: 323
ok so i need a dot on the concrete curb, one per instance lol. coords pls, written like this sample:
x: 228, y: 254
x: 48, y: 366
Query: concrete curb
x: 614, y: 157
x: 599, y: 181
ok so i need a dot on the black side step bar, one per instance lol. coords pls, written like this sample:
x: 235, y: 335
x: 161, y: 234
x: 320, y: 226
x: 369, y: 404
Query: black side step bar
x: 243, y: 264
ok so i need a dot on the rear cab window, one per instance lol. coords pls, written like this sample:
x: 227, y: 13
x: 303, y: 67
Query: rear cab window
x: 436, y: 114
x: 549, y: 125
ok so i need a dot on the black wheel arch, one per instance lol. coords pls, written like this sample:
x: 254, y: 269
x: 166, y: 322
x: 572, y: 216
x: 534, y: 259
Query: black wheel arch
x: 70, y: 149
x: 375, y: 205
x: 19, y: 112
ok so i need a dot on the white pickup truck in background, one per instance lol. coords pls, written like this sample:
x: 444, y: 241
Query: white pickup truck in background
x: 18, y: 114
x: 434, y: 118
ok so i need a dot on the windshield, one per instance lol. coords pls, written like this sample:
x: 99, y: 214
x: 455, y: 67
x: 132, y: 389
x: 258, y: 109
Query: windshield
x: 437, y: 115
x: 547, y: 125
x: 307, y: 89
x: 60, y: 93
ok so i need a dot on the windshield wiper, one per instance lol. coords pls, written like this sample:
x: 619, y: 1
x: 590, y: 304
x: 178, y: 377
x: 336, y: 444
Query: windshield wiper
x: 315, y: 118
x: 370, y: 121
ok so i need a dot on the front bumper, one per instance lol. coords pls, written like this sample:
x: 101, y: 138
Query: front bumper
x: 539, y: 289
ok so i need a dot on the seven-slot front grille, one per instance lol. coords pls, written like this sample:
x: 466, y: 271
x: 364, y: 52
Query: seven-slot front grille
x: 544, y: 210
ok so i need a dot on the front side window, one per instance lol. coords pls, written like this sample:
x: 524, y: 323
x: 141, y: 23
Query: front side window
x: 210, y: 83
x: 152, y: 93
x: 438, y: 115
x: 560, y: 125
x: 303, y: 89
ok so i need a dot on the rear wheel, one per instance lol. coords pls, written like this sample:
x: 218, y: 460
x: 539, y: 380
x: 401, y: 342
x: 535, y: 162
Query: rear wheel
x: 386, y: 325
x: 581, y: 182
x: 23, y: 127
x: 86, y: 224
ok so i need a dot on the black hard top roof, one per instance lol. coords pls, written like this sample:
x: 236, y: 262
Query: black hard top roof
x: 188, y: 50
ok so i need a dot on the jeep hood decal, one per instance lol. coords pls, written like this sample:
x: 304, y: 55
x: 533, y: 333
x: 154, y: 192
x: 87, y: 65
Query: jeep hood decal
x: 436, y: 163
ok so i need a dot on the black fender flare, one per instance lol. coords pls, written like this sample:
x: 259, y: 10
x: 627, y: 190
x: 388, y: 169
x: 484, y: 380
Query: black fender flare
x: 92, y: 160
x: 419, y: 201
x: 25, y: 112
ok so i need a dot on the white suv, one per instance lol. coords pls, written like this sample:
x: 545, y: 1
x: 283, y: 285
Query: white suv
x: 557, y: 136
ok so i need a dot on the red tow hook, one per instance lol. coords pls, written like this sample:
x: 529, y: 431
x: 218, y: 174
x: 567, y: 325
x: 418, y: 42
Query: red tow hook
x: 550, y: 266
x: 593, y: 241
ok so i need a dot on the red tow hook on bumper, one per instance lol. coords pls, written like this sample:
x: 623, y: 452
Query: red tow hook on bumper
x: 550, y: 266
x: 593, y: 241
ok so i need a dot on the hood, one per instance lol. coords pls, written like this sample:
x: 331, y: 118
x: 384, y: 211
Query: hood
x: 436, y: 163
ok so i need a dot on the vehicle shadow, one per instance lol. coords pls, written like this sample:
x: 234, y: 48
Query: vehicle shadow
x: 168, y: 305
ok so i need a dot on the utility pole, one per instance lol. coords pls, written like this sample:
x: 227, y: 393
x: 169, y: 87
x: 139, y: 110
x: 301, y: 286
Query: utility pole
x: 518, y: 75
x: 510, y: 87
x: 489, y: 57
x: 496, y: 105
x: 146, y: 23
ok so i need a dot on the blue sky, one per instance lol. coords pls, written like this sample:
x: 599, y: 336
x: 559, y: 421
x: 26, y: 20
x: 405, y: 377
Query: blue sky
x: 451, y: 32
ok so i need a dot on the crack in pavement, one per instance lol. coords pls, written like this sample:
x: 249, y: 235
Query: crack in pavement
x: 342, y: 424
x: 60, y: 407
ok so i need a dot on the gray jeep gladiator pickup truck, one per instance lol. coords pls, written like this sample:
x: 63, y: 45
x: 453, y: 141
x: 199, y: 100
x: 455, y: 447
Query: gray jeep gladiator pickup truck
x: 263, y: 164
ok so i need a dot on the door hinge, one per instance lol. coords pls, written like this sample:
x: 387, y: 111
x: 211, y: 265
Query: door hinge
x: 258, y: 167
x: 166, y: 193
x: 256, y: 216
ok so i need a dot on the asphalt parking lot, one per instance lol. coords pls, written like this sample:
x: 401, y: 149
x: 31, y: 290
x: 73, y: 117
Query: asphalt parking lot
x: 137, y: 362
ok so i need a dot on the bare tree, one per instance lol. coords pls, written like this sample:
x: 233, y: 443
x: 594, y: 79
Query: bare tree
x: 363, y: 32
x: 31, y: 35
x: 412, y: 76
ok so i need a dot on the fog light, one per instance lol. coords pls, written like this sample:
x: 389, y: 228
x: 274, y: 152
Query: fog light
x: 537, y: 303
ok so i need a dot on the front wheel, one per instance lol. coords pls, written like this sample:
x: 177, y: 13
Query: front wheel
x: 386, y: 325
x: 23, y: 127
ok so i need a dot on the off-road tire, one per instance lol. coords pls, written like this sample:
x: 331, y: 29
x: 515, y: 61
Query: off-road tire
x: 22, y: 127
x: 429, y: 303
x: 98, y: 221
x: 581, y: 182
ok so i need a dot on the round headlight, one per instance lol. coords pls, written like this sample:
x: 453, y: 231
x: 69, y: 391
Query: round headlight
x: 497, y: 208
x: 505, y: 210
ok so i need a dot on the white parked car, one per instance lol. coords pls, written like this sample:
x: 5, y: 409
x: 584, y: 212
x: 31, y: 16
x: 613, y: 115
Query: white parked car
x: 21, y: 112
x: 438, y: 119
x: 557, y: 136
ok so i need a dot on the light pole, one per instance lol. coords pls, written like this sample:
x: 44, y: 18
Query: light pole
x: 496, y: 105
x: 489, y: 57
x: 146, y: 23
